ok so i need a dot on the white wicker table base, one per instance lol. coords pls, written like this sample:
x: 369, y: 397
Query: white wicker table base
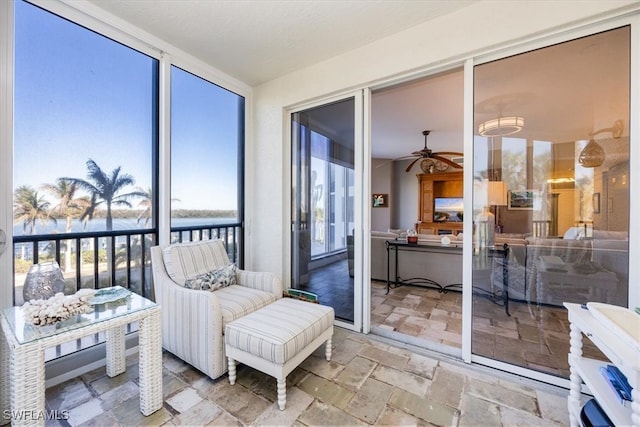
x: 278, y: 371
x: 22, y: 371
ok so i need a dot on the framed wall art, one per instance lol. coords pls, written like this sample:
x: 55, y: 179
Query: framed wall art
x: 523, y: 200
x: 380, y: 200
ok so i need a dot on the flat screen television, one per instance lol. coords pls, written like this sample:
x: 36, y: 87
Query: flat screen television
x: 448, y: 209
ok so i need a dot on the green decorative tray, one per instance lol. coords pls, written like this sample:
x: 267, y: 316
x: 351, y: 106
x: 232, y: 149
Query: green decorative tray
x: 107, y: 295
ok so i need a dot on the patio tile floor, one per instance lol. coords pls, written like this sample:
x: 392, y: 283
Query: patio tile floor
x: 370, y: 381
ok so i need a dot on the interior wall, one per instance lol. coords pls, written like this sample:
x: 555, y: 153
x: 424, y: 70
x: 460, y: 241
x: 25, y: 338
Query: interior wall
x: 382, y: 182
x: 615, y: 201
x: 406, y: 187
x: 431, y: 45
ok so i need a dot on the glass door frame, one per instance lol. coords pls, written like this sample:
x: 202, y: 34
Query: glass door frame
x: 634, y: 161
x: 361, y: 279
x: 6, y: 151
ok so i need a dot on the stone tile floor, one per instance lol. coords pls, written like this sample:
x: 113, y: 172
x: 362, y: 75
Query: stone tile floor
x: 532, y: 336
x: 334, y: 288
x: 369, y: 381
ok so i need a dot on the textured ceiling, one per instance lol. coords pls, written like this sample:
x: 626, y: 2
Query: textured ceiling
x: 258, y: 40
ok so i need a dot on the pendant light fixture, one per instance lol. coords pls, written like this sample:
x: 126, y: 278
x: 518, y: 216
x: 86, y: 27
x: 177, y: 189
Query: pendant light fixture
x: 593, y: 155
x: 501, y: 126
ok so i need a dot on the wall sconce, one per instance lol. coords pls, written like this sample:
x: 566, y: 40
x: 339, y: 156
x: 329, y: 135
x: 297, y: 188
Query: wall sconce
x: 593, y: 155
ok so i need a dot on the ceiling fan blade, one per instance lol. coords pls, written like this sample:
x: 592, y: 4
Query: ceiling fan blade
x: 411, y: 164
x: 410, y: 156
x: 448, y: 153
x: 393, y: 160
x: 447, y: 161
x: 384, y: 163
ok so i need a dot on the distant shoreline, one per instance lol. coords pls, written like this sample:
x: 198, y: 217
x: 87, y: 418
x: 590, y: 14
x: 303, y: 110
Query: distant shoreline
x: 130, y: 222
x: 175, y: 213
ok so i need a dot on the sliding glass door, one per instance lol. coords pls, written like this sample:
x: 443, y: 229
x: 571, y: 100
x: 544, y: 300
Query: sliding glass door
x: 324, y: 179
x: 551, y: 184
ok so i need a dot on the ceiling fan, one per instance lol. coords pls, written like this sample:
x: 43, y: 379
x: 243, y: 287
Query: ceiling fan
x: 432, y: 161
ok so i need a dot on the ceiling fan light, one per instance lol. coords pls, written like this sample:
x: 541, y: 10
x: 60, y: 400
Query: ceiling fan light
x: 501, y: 126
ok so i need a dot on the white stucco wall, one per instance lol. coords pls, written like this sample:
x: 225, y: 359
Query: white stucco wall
x: 406, y: 210
x: 481, y: 28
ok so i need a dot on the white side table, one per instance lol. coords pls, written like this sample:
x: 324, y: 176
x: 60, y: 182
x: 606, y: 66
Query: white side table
x: 22, y: 346
x: 583, y: 369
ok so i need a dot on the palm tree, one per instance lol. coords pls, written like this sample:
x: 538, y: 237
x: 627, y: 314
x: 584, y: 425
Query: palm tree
x: 104, y: 188
x: 68, y: 206
x: 30, y: 208
x: 147, y: 204
x: 89, y: 211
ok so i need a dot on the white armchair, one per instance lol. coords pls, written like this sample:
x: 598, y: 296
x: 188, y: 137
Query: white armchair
x: 193, y: 321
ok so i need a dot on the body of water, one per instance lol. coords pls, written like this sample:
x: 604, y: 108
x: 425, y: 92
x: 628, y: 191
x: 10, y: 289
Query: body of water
x: 99, y: 224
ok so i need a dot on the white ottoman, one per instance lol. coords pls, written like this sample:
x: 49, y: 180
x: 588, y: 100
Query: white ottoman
x: 277, y: 338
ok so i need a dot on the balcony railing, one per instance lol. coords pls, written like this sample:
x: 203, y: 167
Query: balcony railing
x: 228, y: 233
x: 108, y: 258
x: 101, y: 259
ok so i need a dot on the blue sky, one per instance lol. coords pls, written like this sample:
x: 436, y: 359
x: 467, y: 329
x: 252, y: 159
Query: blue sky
x: 204, y: 125
x: 79, y: 95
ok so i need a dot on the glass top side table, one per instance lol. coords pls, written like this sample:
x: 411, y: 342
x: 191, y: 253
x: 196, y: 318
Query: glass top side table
x: 117, y: 303
x: 22, y: 345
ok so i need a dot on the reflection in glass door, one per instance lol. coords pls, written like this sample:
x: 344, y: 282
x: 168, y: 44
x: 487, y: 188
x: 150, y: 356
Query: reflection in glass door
x: 553, y: 137
x: 323, y: 197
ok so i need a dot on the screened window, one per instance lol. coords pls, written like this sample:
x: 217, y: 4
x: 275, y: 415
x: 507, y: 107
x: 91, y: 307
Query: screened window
x: 562, y: 231
x: 85, y: 158
x: 514, y: 162
x: 207, y: 140
x: 332, y: 186
x: 85, y: 133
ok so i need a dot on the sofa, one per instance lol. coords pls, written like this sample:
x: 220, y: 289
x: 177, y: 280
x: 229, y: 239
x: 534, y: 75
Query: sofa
x: 193, y: 315
x: 593, y: 269
x: 597, y: 267
x: 551, y: 271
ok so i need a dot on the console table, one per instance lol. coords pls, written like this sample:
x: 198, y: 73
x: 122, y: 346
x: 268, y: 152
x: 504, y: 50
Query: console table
x: 436, y: 247
x: 397, y: 246
x: 22, y: 345
x: 503, y: 253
